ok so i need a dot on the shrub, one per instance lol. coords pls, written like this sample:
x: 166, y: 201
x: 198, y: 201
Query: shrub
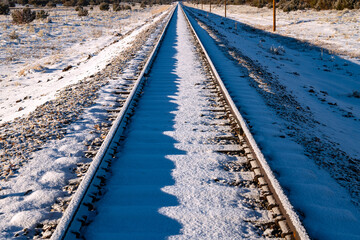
x: 355, y: 94
x: 82, y: 3
x: 41, y: 14
x: 116, y: 7
x: 38, y: 2
x: 357, y: 5
x: 51, y: 4
x: 104, y: 6
x: 13, y: 35
x: 11, y: 3
x: 83, y: 12
x: 4, y: 9
x: 70, y: 3
x: 22, y: 2
x: 24, y: 16
x: 291, y: 5
x: 143, y: 5
x: 277, y: 50
x: 323, y: 4
x: 342, y: 4
x: 258, y: 3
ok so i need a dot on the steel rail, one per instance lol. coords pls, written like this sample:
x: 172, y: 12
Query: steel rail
x: 285, y: 216
x: 67, y: 223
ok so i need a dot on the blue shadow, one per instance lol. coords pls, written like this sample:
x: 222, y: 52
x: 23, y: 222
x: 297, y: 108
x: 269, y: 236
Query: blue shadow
x: 130, y: 208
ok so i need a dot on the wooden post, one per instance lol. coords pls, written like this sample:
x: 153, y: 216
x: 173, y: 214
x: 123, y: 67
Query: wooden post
x: 225, y: 8
x: 202, y: 4
x: 274, y: 15
x: 210, y: 5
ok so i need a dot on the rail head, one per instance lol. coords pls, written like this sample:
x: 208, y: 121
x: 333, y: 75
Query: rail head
x: 282, y: 200
x: 117, y: 128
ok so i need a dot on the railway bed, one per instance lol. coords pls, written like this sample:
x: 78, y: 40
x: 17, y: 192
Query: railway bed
x: 179, y: 159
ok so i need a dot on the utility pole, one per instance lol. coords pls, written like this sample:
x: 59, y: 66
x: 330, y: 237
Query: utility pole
x: 210, y: 5
x: 202, y: 4
x: 274, y: 15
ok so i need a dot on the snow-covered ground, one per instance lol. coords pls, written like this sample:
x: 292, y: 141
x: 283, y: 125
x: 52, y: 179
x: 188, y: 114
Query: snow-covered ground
x: 302, y: 106
x: 34, y: 195
x: 162, y: 184
x: 301, y: 103
x: 32, y: 66
x: 337, y: 31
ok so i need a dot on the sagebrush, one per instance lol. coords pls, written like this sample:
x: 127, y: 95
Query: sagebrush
x: 23, y: 16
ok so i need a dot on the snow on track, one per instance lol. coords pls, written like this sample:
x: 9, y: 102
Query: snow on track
x: 27, y: 198
x: 163, y: 179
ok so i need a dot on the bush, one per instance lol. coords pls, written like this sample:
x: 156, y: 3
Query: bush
x: 116, y: 7
x: 143, y: 5
x: 51, y: 4
x: 280, y: 50
x: 4, y: 9
x: 11, y: 3
x: 13, y: 35
x: 41, y: 14
x: 258, y: 3
x: 22, y: 2
x: 104, y: 6
x: 323, y: 4
x: 24, y: 16
x: 83, y: 12
x: 70, y: 3
x: 342, y: 4
x: 292, y: 5
x: 38, y: 2
x: 82, y: 3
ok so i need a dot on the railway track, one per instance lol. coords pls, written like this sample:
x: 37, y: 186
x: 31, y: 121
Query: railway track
x: 179, y: 112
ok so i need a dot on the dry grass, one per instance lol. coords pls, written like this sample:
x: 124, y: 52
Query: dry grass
x: 160, y: 9
x: 39, y: 39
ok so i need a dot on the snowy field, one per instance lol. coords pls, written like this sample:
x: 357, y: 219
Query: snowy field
x: 32, y: 65
x: 337, y: 31
x: 43, y: 156
x: 302, y: 105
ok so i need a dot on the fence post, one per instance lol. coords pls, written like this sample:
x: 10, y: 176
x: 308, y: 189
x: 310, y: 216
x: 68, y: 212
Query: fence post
x: 274, y: 15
